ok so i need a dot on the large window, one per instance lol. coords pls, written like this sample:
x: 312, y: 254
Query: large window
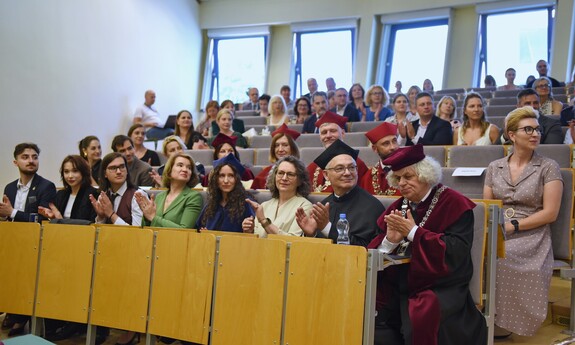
x: 323, y: 54
x: 514, y: 39
x: 415, y: 52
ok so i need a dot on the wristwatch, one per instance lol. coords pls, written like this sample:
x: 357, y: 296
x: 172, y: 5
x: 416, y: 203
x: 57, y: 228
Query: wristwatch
x: 515, y: 225
x: 265, y: 222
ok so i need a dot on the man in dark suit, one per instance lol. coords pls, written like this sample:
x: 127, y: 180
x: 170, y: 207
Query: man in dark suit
x: 429, y: 129
x: 342, y: 108
x: 319, y: 105
x: 20, y: 204
x: 312, y: 87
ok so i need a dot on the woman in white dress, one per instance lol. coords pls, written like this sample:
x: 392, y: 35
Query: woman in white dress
x: 475, y: 129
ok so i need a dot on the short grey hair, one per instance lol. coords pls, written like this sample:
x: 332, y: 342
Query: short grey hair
x: 428, y: 171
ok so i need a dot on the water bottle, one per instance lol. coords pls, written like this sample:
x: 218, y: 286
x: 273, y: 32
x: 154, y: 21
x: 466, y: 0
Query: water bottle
x: 342, y: 227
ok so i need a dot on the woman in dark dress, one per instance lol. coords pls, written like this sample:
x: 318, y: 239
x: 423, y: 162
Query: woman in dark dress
x: 91, y: 151
x: 138, y: 133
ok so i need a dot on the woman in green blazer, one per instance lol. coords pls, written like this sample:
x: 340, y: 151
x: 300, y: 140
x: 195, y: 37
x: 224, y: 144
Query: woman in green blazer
x: 179, y: 206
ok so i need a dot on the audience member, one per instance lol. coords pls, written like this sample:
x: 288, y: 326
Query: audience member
x: 237, y: 124
x: 383, y: 140
x: 356, y: 99
x: 205, y: 126
x: 342, y: 107
x: 227, y: 206
x: 401, y: 116
x: 530, y: 187
x: 179, y: 206
x: 549, y: 106
x: 447, y: 110
x: 331, y: 128
x: 225, y: 146
x: 475, y: 129
x: 283, y: 144
x: 426, y: 301
x: 510, y: 77
x: 288, y: 183
x: 185, y: 131
x: 302, y: 110
x: 330, y: 99
x: 330, y: 84
x: 543, y: 70
x: 412, y: 93
x: 151, y: 119
x: 428, y: 86
x: 20, y: 203
x: 489, y: 82
x: 72, y: 202
x: 377, y: 100
x: 224, y: 121
x: 320, y: 108
x: 312, y: 88
x: 278, y: 112
x: 91, y: 151
x: 252, y: 102
x: 429, y: 129
x: 137, y: 134
x: 285, y: 91
x: 171, y: 145
x: 568, y: 114
x: 139, y: 170
x: 398, y: 86
x: 263, y: 103
x: 529, y: 81
x: 339, y: 166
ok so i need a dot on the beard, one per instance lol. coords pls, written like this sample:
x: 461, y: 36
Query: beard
x: 29, y: 173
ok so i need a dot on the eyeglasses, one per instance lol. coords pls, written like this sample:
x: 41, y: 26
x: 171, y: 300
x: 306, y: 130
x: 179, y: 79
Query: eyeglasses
x: 377, y: 93
x: 114, y: 168
x: 529, y: 130
x: 542, y: 86
x: 289, y: 175
x: 340, y: 169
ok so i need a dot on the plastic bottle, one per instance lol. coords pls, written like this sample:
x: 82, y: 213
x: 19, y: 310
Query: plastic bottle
x: 342, y: 227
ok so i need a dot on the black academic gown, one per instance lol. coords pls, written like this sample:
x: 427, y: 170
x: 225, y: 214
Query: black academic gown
x: 361, y: 209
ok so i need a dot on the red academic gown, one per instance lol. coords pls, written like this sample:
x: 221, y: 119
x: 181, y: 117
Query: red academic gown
x: 429, y: 298
x: 375, y: 183
x: 318, y: 182
x: 260, y: 180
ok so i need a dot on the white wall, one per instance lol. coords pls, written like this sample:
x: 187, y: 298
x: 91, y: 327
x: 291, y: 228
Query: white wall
x: 74, y: 68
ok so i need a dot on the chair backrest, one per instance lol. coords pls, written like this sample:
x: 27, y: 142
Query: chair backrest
x: 261, y: 195
x: 498, y: 121
x: 364, y: 126
x: 120, y: 294
x: 368, y: 156
x: 181, y: 298
x: 503, y: 101
x: 473, y: 156
x: 499, y: 110
x: 562, y: 228
x: 308, y: 140
x: 250, y: 285
x: 308, y: 154
x: 64, y: 281
x: 163, y: 159
x: 261, y: 142
x: 437, y: 152
x: 206, y: 157
x: 356, y: 139
x: 298, y: 127
x: 262, y: 157
x: 19, y: 246
x: 506, y: 93
x: 245, y: 113
x: 253, y: 120
x: 470, y: 186
x: 247, y: 156
x: 560, y: 153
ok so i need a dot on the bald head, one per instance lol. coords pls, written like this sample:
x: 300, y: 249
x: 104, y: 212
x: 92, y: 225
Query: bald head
x: 150, y: 97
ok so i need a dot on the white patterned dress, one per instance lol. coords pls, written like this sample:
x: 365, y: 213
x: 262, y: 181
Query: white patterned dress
x: 524, y: 275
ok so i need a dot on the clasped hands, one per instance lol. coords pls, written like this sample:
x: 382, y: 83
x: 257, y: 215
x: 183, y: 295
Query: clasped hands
x: 317, y: 219
x: 398, y: 227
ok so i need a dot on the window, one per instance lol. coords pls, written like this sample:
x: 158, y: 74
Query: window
x: 322, y: 53
x: 237, y: 60
x: 515, y: 39
x: 416, y: 51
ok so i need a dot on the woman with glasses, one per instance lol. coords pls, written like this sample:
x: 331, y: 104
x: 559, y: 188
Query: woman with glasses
x: 530, y: 187
x: 227, y: 206
x: 376, y: 100
x: 549, y: 106
x: 116, y: 203
x: 289, y: 185
x: 475, y: 129
x: 302, y: 110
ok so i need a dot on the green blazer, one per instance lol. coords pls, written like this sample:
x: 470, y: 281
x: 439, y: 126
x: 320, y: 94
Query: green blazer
x: 183, y: 212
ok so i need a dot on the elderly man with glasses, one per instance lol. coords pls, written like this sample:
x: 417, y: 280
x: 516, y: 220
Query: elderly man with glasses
x: 362, y: 209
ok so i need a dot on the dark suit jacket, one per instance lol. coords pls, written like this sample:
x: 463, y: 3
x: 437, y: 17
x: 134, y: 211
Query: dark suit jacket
x: 237, y: 126
x: 551, y: 132
x: 82, y: 208
x: 567, y: 115
x: 350, y: 112
x: 42, y: 192
x: 438, y: 132
x: 309, y: 124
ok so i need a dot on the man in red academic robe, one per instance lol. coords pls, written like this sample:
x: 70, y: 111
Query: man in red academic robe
x: 383, y: 140
x: 426, y: 302
x: 331, y: 128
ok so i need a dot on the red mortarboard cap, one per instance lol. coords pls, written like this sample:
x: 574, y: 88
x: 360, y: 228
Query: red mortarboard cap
x: 381, y: 131
x: 337, y: 148
x: 329, y: 117
x: 224, y: 139
x: 284, y: 129
x: 405, y: 157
